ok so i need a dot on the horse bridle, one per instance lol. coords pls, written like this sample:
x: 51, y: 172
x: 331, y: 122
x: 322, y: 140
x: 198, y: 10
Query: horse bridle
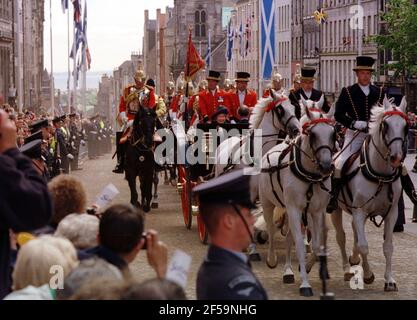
x: 383, y: 130
x: 279, y: 112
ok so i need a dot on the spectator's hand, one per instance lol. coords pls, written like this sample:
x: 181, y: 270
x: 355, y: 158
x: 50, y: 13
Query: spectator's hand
x: 157, y: 253
x: 8, y: 135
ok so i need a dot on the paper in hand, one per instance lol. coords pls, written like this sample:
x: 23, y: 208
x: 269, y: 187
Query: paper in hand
x: 107, y: 196
x: 178, y: 268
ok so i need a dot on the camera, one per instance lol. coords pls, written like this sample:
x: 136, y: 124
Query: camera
x: 144, y: 235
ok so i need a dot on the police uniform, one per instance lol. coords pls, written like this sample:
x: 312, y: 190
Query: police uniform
x: 226, y: 274
x: 33, y: 150
x: 61, y: 152
x: 74, y: 142
x: 315, y: 95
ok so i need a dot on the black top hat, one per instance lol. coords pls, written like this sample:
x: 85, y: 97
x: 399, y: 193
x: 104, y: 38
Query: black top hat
x: 214, y: 75
x: 36, y: 136
x: 308, y: 73
x: 242, y: 77
x: 57, y: 119
x: 220, y: 110
x: 364, y: 63
x: 32, y: 149
x: 231, y: 188
x: 38, y: 125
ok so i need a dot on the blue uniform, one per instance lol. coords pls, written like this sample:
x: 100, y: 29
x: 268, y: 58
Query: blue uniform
x: 225, y: 276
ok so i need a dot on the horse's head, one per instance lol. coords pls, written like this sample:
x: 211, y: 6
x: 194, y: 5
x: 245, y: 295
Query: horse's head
x: 310, y: 104
x: 392, y: 126
x: 144, y: 126
x: 321, y: 133
x: 285, y: 111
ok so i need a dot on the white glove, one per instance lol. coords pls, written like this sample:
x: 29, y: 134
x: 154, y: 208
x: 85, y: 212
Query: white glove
x: 123, y: 117
x: 70, y: 156
x: 360, y: 125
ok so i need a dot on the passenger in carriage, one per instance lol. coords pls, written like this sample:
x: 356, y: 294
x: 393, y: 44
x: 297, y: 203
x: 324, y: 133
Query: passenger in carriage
x: 244, y: 114
x: 220, y: 116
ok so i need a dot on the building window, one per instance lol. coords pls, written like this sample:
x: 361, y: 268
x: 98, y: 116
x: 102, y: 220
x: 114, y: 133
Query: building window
x: 200, y: 23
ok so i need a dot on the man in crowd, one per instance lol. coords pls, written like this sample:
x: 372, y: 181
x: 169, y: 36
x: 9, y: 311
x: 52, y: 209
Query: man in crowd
x: 24, y: 199
x: 225, y: 207
x: 62, y: 154
x: 75, y: 141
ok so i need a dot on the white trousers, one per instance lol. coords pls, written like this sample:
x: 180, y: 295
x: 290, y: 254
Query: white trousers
x: 353, y: 148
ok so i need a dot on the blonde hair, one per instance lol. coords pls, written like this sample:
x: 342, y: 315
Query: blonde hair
x: 80, y: 229
x: 68, y: 195
x: 35, y: 259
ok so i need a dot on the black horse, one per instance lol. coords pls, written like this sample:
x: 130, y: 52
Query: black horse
x: 140, y: 158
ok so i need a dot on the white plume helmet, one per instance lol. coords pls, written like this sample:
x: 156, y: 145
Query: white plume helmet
x: 276, y: 76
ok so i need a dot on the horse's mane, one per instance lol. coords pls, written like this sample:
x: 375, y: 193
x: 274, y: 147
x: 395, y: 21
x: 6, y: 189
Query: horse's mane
x: 260, y: 109
x: 377, y: 115
x: 259, y: 112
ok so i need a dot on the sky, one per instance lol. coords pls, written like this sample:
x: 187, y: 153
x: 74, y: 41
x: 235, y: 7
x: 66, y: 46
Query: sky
x: 115, y: 30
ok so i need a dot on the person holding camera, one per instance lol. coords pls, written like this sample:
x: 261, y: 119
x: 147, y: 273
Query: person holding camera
x: 121, y: 237
x: 25, y: 203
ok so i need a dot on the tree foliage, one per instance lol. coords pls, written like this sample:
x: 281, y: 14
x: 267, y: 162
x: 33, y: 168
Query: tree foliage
x: 399, y: 34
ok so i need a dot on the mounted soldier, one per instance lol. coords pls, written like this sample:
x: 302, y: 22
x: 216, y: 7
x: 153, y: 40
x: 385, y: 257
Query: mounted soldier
x: 127, y: 112
x: 276, y: 84
x: 353, y: 111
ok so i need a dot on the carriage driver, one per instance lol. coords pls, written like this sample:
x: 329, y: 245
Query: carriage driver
x: 225, y: 207
x: 126, y: 113
x: 353, y: 111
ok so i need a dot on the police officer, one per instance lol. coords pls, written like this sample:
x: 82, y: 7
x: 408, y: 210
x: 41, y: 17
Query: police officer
x: 75, y: 141
x: 226, y: 274
x: 307, y: 91
x: 62, y: 155
x: 353, y: 111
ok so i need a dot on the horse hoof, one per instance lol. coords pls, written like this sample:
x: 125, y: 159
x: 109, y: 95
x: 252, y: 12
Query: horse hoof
x: 155, y: 205
x: 288, y: 279
x: 306, y: 292
x: 255, y: 257
x: 352, y: 264
x: 262, y: 237
x: 369, y: 280
x: 391, y: 287
x: 348, y: 276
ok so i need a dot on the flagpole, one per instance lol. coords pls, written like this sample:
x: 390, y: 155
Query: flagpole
x: 69, y: 64
x: 74, y: 55
x: 52, y: 61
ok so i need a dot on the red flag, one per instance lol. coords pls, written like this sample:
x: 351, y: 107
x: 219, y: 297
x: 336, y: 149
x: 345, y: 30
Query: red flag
x: 194, y: 61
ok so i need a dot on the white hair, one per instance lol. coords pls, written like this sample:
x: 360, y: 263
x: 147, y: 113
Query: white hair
x: 80, y: 229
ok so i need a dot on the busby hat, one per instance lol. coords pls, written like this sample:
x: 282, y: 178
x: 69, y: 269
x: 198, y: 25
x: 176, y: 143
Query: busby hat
x: 214, y: 75
x: 220, y: 110
x: 242, y: 77
x: 308, y: 73
x: 33, y: 149
x: 364, y: 63
x: 231, y: 188
x: 38, y: 125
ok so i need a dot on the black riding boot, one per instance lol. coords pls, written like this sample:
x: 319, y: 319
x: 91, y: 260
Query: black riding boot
x: 120, y: 154
x: 336, y: 187
x: 409, y: 189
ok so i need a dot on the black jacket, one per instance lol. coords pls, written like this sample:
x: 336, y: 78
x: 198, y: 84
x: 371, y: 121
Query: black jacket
x: 63, y: 151
x: 25, y: 205
x: 224, y: 276
x: 347, y: 114
x: 295, y: 97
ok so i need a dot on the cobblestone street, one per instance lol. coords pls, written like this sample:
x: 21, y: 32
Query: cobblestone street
x: 169, y: 222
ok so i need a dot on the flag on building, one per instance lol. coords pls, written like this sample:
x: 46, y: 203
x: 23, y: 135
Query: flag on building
x: 64, y: 4
x: 241, y: 42
x: 86, y: 50
x: 208, y: 56
x: 77, y: 10
x: 230, y: 40
x: 267, y: 27
x: 194, y: 62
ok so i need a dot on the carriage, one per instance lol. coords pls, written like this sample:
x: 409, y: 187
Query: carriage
x: 190, y: 175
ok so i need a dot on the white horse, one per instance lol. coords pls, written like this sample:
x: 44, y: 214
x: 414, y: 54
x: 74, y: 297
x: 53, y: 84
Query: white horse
x: 272, y: 115
x: 373, y: 189
x: 297, y: 181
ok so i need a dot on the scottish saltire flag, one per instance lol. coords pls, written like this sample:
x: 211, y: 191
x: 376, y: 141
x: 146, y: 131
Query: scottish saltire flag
x: 267, y: 25
x: 230, y: 40
x: 208, y: 56
x: 64, y: 4
x: 86, y: 50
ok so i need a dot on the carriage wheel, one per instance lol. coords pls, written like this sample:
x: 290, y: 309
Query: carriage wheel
x: 186, y: 200
x: 202, y: 230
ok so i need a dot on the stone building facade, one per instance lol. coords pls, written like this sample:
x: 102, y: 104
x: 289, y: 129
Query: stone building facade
x: 6, y: 49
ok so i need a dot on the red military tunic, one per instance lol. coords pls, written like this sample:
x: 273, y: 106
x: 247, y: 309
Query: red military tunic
x: 251, y: 99
x: 128, y: 90
x: 209, y: 103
